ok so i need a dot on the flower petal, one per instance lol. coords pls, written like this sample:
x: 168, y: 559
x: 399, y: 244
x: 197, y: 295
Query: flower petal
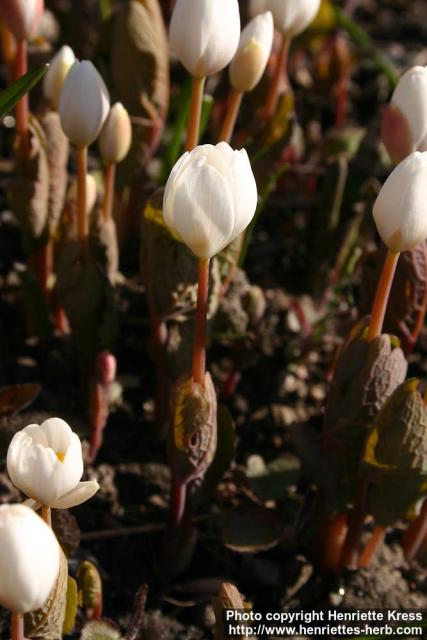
x: 244, y: 191
x: 76, y: 496
x: 58, y: 434
x: 203, y: 210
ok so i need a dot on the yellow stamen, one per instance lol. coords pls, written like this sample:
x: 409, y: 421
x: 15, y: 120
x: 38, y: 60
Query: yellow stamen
x: 60, y: 455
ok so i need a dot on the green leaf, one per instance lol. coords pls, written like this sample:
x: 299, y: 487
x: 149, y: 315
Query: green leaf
x: 105, y: 8
x: 363, y: 40
x: 251, y: 530
x: 270, y: 482
x: 18, y: 89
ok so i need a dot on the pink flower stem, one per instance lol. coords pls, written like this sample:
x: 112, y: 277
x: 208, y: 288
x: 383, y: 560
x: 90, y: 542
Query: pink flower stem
x: 17, y: 626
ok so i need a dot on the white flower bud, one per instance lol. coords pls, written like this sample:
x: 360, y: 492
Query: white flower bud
x: 84, y: 104
x: 29, y: 559
x: 410, y: 97
x: 250, y: 61
x: 400, y: 211
x: 91, y: 193
x: 45, y: 462
x: 59, y: 67
x: 22, y: 17
x: 291, y: 17
x: 210, y: 198
x: 116, y: 135
x: 205, y: 34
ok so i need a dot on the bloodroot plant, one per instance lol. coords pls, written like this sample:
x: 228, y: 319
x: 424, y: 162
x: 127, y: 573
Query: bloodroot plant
x: 210, y: 198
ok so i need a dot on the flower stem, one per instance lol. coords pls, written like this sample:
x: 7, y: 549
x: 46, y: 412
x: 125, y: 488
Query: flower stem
x: 17, y: 626
x: 177, y: 502
x: 350, y: 553
x: 229, y: 123
x: 43, y: 259
x: 374, y: 543
x: 22, y: 107
x: 415, y: 534
x: 8, y: 50
x: 109, y: 183
x: 195, y: 113
x: 334, y: 537
x: 83, y: 223
x: 382, y: 295
x: 199, y: 347
x: 46, y: 515
x: 279, y: 73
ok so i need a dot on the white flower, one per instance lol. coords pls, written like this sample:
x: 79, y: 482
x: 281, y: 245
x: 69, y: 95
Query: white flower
x: 205, y: 34
x: 84, y: 104
x: 291, y: 17
x: 45, y: 462
x: 22, y: 17
x: 410, y: 97
x: 29, y: 559
x: 250, y: 61
x: 59, y: 67
x: 210, y: 198
x: 116, y: 135
x: 400, y: 211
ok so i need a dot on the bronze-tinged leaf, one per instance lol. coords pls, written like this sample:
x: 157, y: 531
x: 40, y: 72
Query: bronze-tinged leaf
x: 88, y: 299
x: 395, y: 455
x: 225, y: 450
x: 397, y: 441
x: 47, y: 623
x: 366, y: 374
x: 140, y: 73
x: 17, y: 398
x: 193, y: 431
x: 57, y: 151
x: 29, y: 189
x: 66, y: 530
x: 408, y: 298
x: 103, y: 244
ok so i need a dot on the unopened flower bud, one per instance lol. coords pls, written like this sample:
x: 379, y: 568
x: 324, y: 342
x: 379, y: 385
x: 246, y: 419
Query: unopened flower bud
x: 59, y: 67
x: 84, y: 104
x: 210, y: 198
x: 29, y: 559
x: 91, y: 193
x: 250, y: 61
x: 106, y: 367
x: 205, y: 34
x: 291, y: 17
x: 400, y: 211
x: 405, y: 120
x: 22, y: 17
x: 116, y: 135
x: 193, y: 436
